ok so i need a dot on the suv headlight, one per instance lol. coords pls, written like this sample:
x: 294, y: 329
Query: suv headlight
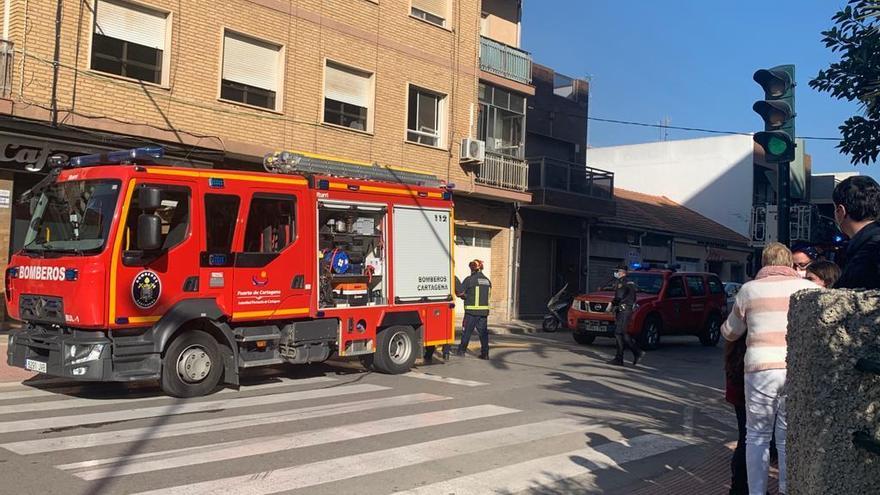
x: 83, y: 353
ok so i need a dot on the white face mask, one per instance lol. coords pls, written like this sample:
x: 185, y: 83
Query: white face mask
x: 618, y: 275
x: 802, y: 273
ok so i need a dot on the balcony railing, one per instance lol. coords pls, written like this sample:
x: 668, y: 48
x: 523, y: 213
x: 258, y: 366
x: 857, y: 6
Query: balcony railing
x: 503, y: 171
x: 6, y: 66
x: 550, y: 173
x: 505, y: 61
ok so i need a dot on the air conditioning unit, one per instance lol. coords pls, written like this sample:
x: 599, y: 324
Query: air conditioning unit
x: 472, y: 150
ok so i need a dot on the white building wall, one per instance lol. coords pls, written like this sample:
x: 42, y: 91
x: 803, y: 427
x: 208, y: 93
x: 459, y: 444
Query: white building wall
x: 712, y: 176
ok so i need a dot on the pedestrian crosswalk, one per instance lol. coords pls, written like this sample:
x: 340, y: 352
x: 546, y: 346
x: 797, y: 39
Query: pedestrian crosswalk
x: 289, y: 434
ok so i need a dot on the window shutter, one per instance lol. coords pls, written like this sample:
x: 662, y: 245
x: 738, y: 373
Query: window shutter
x: 249, y: 61
x: 347, y: 86
x: 132, y: 23
x: 436, y: 7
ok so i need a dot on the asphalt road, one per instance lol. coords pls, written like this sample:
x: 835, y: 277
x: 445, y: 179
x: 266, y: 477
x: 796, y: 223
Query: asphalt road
x: 544, y: 415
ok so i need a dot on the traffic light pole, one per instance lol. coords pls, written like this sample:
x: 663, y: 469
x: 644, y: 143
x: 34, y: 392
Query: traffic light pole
x: 783, y: 187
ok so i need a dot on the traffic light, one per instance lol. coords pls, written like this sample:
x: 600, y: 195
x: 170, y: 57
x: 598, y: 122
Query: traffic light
x: 777, y: 110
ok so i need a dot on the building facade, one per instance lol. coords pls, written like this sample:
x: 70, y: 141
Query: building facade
x: 568, y: 197
x: 220, y: 84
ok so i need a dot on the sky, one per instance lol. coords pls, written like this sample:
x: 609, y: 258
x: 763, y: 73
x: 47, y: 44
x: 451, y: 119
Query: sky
x: 690, y: 61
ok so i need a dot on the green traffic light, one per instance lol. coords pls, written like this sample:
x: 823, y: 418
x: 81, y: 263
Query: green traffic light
x: 777, y: 146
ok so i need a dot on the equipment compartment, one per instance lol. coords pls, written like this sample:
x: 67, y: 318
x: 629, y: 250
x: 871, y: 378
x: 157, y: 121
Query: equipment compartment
x: 351, y: 258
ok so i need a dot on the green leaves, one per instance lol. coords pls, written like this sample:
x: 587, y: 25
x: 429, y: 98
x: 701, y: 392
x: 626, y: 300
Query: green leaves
x: 856, y: 76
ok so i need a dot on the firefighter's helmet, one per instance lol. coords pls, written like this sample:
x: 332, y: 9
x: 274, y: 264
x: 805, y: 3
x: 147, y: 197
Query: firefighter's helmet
x: 476, y: 265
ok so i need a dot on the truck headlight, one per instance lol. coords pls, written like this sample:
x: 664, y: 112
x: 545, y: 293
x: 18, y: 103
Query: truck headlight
x: 83, y: 353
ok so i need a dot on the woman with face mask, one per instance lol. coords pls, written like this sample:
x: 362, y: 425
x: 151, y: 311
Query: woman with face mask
x: 803, y: 257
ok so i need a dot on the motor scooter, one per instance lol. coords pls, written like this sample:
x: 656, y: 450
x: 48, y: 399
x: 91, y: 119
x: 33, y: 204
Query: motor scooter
x: 557, y: 308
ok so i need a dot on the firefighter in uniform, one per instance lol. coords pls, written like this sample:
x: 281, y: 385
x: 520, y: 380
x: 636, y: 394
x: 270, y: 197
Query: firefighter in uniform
x: 475, y: 291
x: 623, y: 305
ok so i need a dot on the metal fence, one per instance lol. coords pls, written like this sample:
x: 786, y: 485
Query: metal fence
x: 7, y: 56
x: 550, y: 173
x: 505, y: 61
x: 503, y: 171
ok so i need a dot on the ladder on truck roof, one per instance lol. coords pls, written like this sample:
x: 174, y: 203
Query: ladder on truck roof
x: 288, y: 162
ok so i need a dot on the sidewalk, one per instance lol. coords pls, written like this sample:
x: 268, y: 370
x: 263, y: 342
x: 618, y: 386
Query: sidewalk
x: 710, y: 477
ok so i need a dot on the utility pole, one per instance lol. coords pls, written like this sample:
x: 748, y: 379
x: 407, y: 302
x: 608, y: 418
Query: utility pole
x: 56, y: 62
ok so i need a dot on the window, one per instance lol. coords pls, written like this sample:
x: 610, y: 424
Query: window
x: 473, y: 237
x: 271, y: 224
x: 675, y: 288
x: 425, y: 119
x: 250, y: 71
x: 72, y: 216
x: 221, y: 210
x: 696, y: 286
x: 715, y: 286
x: 348, y: 95
x: 501, y: 121
x: 174, y: 215
x: 129, y: 40
x: 433, y: 11
x: 564, y: 86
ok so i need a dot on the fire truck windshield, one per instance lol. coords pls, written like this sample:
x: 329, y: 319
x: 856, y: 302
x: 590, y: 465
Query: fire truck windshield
x: 72, y: 217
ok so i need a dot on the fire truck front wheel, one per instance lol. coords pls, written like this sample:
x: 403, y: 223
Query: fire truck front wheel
x: 192, y: 365
x: 395, y: 350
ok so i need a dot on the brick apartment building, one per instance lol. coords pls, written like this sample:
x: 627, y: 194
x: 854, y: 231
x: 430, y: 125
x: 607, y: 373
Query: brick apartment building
x: 220, y: 84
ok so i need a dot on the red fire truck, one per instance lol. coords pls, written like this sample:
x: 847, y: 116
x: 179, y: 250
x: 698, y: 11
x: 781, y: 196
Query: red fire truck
x: 135, y: 270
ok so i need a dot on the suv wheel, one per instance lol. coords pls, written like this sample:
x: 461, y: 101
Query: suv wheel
x: 712, y: 333
x: 650, y: 337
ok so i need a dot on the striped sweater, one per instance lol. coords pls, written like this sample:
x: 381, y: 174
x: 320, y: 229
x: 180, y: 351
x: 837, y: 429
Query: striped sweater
x: 761, y: 309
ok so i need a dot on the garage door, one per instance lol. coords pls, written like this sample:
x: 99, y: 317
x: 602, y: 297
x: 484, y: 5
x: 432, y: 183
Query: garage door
x: 471, y: 244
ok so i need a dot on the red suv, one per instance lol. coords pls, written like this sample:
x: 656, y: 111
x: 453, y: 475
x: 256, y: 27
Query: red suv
x: 668, y: 303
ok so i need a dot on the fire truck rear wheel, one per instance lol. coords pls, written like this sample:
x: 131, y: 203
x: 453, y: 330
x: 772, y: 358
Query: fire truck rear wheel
x: 192, y: 365
x: 395, y: 350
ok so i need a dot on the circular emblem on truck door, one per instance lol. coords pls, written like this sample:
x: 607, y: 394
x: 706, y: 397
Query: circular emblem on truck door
x: 145, y: 289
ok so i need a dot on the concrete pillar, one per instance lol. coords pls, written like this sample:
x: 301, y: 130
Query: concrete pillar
x: 828, y: 398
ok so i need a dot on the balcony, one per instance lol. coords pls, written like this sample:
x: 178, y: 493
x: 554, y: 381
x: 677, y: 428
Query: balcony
x: 571, y: 188
x: 505, y: 61
x: 503, y: 172
x: 6, y: 66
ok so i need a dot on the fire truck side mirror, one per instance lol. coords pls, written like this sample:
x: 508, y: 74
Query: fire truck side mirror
x: 149, y: 233
x: 149, y: 199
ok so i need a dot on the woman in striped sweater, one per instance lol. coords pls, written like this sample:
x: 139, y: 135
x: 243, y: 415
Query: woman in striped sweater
x: 761, y: 308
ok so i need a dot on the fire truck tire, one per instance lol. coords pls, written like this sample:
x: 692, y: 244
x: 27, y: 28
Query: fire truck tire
x: 395, y: 350
x: 192, y: 365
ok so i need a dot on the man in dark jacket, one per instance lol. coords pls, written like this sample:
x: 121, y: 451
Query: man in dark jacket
x: 623, y: 304
x: 856, y: 209
x: 475, y: 291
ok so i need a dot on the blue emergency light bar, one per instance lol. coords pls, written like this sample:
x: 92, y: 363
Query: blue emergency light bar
x: 146, y: 154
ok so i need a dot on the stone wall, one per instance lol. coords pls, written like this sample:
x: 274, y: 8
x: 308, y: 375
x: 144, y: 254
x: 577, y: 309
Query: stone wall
x: 828, y: 399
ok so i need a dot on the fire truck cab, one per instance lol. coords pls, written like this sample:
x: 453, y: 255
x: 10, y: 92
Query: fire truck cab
x: 137, y: 271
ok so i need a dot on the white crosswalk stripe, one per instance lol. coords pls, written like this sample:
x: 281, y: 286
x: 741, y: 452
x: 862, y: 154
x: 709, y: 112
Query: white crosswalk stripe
x: 154, y: 461
x: 191, y: 447
x: 71, y: 403
x: 547, y: 471
x: 444, y: 379
x: 181, y: 407
x: 213, y: 425
x: 341, y: 468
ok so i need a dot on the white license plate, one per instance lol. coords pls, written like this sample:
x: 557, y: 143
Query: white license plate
x: 596, y: 328
x: 32, y: 365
